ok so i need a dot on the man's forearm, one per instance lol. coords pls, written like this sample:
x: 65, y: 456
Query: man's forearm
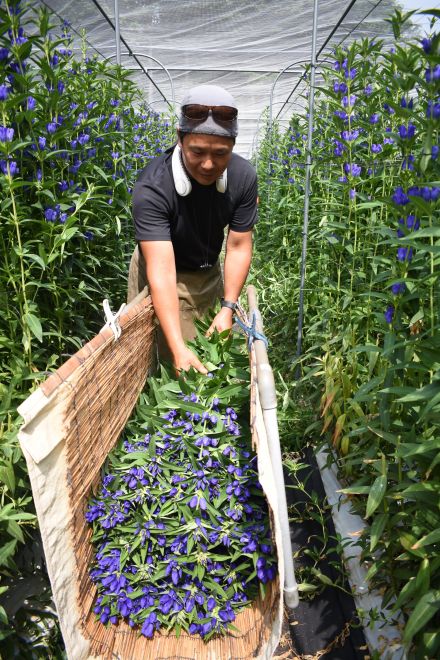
x: 237, y: 263
x: 161, y: 276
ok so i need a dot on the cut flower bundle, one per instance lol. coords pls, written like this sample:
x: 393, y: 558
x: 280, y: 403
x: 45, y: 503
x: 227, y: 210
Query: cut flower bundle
x: 180, y: 523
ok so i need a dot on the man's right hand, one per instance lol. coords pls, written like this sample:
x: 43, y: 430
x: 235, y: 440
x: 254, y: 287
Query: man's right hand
x: 184, y: 359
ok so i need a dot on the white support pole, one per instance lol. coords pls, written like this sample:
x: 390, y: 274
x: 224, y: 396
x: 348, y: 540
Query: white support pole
x: 268, y: 400
x: 307, y: 185
x: 117, y: 33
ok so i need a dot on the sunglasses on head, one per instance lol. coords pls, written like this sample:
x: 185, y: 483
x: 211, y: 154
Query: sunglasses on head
x: 198, y: 112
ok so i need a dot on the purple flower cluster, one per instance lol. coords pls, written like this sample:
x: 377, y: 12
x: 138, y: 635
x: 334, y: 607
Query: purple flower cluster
x: 352, y: 169
x: 427, y: 193
x: 54, y: 214
x: 407, y: 132
x: 200, y: 540
x: 351, y: 135
x: 9, y: 167
x: 340, y: 87
x: 348, y: 72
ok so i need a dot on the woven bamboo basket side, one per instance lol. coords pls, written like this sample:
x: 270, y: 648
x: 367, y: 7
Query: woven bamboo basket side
x: 100, y: 405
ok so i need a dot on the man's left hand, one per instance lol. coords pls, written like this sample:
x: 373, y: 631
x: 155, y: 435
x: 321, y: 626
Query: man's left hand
x: 222, y: 321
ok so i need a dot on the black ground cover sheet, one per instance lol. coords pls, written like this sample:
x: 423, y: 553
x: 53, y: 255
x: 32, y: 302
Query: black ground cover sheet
x: 325, y: 626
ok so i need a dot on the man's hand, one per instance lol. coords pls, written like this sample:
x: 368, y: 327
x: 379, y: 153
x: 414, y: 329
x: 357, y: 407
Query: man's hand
x: 222, y: 321
x: 184, y: 359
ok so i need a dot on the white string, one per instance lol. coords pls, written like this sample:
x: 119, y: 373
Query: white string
x: 112, y: 320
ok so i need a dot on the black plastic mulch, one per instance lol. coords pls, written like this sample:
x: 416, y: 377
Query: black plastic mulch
x: 325, y: 626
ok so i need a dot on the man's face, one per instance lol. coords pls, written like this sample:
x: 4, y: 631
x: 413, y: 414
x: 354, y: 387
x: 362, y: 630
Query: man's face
x: 206, y: 156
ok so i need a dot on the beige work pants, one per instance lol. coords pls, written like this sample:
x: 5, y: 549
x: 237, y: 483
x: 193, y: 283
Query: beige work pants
x: 197, y: 292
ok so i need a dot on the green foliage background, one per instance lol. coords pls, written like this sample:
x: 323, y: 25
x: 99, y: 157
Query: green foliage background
x: 370, y: 365
x: 80, y: 132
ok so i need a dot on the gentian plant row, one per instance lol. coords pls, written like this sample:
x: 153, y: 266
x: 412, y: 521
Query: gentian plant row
x: 371, y: 361
x: 73, y: 133
x: 180, y: 522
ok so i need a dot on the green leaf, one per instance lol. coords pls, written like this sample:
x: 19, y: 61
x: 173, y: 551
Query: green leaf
x: 34, y: 325
x: 423, y: 577
x: 7, y: 475
x: 423, y: 612
x: 355, y: 490
x: 376, y: 494
x: 3, y: 618
x: 37, y: 259
x: 7, y: 551
x: 428, y: 539
x: 14, y: 529
x: 377, y: 527
x: 307, y: 587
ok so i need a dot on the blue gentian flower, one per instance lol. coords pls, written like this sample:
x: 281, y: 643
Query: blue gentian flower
x: 350, y: 73
x: 374, y: 118
x: 150, y: 624
x: 352, y: 169
x: 350, y: 135
x: 432, y: 74
x: 426, y: 45
x: 6, y: 134
x: 50, y: 214
x: 399, y: 197
x: 349, y: 100
x: 407, y: 133
x: 404, y: 254
x: 433, y: 110
x: 19, y: 39
x: 10, y: 165
x: 397, y: 288
x: 389, y: 314
x: 408, y: 162
x: 51, y: 127
x: 4, y: 92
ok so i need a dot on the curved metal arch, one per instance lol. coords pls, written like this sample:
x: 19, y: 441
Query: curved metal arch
x: 150, y: 57
x: 254, y: 144
x: 278, y: 76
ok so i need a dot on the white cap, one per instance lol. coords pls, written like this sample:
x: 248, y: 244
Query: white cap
x: 211, y: 95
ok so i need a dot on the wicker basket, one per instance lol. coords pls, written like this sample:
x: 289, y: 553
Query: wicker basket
x: 71, y: 423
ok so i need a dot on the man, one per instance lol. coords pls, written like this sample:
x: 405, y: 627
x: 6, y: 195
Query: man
x: 182, y: 202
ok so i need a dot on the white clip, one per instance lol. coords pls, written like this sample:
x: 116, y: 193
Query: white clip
x: 112, y: 319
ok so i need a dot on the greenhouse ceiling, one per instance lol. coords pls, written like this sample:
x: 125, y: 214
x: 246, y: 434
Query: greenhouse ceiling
x: 242, y: 45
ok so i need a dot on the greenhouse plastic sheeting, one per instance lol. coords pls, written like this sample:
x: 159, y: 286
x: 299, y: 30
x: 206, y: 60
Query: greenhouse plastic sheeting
x: 71, y: 422
x: 239, y: 44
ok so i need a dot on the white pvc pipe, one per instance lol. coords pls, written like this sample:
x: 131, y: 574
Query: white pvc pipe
x: 384, y: 635
x: 268, y: 400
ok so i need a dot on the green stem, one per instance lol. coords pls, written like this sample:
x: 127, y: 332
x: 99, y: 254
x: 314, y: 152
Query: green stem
x: 431, y: 283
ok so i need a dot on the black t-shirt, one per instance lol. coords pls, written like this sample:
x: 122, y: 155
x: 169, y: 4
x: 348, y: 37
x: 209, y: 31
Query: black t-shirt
x: 195, y: 223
